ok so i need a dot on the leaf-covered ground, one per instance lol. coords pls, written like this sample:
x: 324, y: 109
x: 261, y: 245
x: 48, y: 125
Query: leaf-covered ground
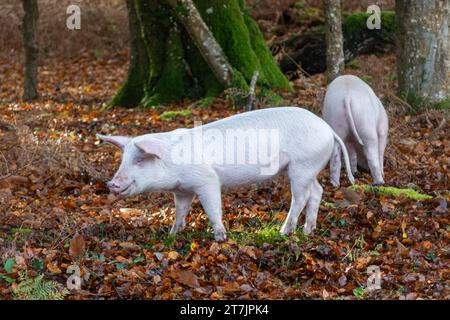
x: 55, y: 210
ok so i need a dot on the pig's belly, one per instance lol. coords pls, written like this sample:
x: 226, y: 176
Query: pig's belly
x: 241, y: 175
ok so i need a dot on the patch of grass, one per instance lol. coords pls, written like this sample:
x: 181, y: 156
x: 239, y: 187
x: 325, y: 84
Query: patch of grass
x: 170, y: 241
x: 366, y: 78
x: 353, y: 64
x: 205, y: 102
x: 22, y: 233
x: 393, y: 192
x: 197, y: 234
x: 269, y: 233
x: 170, y: 115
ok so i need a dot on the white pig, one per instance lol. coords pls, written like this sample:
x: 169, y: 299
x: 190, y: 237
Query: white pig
x: 356, y: 114
x: 300, y: 143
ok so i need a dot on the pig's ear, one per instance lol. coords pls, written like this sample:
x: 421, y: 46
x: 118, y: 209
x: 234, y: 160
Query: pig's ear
x: 118, y: 141
x: 151, y: 147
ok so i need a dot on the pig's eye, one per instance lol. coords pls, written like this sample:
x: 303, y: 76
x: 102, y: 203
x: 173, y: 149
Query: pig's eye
x: 139, y: 161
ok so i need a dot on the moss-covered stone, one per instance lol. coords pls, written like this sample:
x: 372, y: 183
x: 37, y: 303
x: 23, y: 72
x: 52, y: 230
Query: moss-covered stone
x: 355, y: 30
x: 393, y: 192
x: 170, y: 115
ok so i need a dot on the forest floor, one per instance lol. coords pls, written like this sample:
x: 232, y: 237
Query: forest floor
x: 55, y: 210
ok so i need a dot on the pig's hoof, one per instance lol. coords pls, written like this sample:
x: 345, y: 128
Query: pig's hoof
x: 335, y: 184
x: 308, y: 229
x: 286, y: 230
x: 220, y: 235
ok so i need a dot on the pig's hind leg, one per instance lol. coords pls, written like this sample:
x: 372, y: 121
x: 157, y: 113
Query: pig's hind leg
x: 335, y: 166
x: 300, y: 190
x: 312, y: 207
x: 210, y: 197
x: 371, y: 151
x: 352, y: 156
x: 183, y: 203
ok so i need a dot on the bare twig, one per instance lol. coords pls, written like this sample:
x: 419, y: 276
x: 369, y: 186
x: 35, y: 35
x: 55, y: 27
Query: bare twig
x: 251, y: 94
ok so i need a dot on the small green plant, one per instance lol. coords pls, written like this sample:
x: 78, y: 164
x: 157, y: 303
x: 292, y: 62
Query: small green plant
x: 170, y: 115
x: 329, y: 205
x: 366, y: 78
x: 38, y: 289
x: 359, y: 293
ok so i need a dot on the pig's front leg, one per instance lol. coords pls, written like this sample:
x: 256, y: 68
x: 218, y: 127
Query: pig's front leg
x: 182, y: 204
x: 210, y: 197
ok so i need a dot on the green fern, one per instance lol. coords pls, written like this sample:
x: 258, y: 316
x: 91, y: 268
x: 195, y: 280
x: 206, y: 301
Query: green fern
x: 38, y: 289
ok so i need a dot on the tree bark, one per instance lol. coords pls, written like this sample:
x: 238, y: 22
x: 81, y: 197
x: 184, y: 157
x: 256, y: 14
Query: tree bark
x: 199, y: 32
x: 173, y: 57
x: 334, y: 39
x: 423, y: 55
x: 29, y: 27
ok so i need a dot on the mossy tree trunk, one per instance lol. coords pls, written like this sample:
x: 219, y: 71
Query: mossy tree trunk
x: 424, y: 51
x: 167, y: 66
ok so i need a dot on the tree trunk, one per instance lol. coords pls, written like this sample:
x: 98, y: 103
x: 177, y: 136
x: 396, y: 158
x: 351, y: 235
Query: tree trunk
x: 334, y: 39
x: 30, y: 45
x: 423, y: 55
x: 169, y: 63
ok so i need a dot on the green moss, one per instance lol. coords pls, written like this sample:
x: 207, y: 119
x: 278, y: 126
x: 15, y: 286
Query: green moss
x: 392, y: 191
x: 170, y: 115
x: 242, y: 42
x: 270, y: 98
x: 171, y: 85
x: 270, y: 72
x: 356, y: 23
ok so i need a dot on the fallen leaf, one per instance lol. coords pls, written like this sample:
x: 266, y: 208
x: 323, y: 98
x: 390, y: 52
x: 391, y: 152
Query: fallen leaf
x: 77, y: 245
x: 185, y: 277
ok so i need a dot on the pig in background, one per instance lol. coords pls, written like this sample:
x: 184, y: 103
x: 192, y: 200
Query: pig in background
x: 305, y: 143
x: 358, y: 117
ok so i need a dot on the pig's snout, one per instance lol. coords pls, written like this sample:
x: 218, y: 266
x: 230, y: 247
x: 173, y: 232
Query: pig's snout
x: 112, y: 186
x: 119, y: 186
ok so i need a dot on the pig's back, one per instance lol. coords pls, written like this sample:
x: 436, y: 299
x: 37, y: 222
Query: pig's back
x: 283, y: 118
x: 365, y: 106
x: 302, y: 135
